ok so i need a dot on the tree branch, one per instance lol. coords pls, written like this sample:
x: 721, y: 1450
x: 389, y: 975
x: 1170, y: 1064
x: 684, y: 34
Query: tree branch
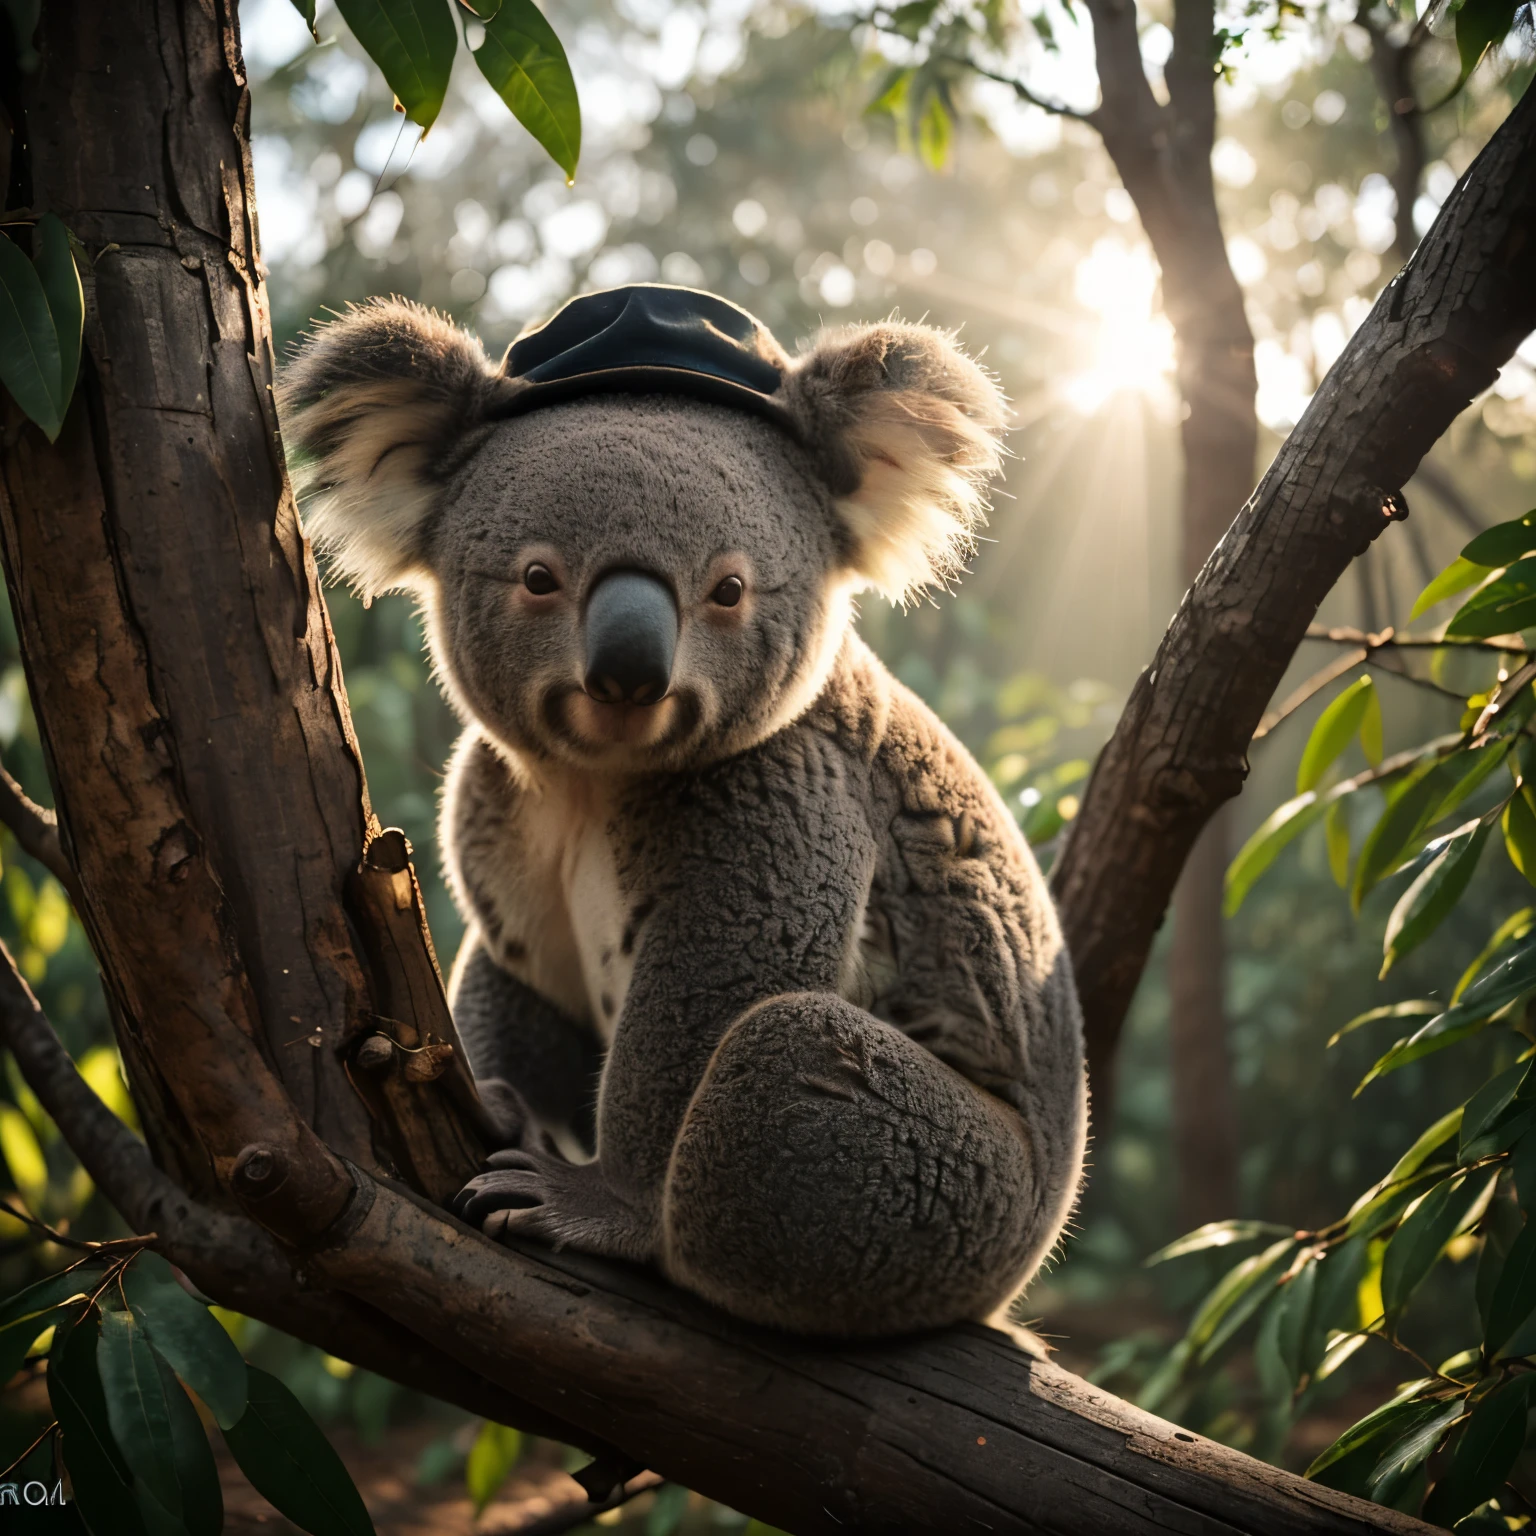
x: 36, y: 829
x: 1436, y: 338
x: 1019, y: 89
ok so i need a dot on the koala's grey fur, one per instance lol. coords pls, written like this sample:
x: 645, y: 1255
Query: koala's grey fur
x: 779, y: 932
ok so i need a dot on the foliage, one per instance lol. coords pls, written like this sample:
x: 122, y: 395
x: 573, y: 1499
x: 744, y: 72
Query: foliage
x: 1449, y: 1442
x: 42, y: 314
x: 123, y: 1343
x: 413, y: 42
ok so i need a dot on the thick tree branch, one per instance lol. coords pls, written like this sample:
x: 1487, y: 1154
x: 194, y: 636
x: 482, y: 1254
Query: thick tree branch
x: 1436, y: 338
x: 226, y: 1255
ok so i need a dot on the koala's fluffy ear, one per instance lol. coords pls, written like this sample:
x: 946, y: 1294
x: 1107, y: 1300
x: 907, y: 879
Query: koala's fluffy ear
x: 371, y: 406
x: 908, y: 431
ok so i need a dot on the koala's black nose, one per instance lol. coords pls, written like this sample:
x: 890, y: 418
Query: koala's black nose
x: 631, y: 636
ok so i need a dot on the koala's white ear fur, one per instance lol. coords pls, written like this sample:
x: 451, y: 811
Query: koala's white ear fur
x: 908, y: 431
x: 370, y: 406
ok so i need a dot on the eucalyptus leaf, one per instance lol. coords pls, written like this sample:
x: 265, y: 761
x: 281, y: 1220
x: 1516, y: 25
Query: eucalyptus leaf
x: 1510, y: 931
x: 1456, y: 577
x: 1485, y: 1452
x: 491, y: 1458
x: 1336, y: 727
x: 1489, y: 1102
x: 526, y: 65
x: 1235, y: 1298
x: 189, y: 1337
x: 102, y: 1483
x: 1417, y: 1008
x: 290, y: 1463
x: 30, y: 364
x: 1278, y: 830
x: 1519, y: 823
x: 1434, y: 894
x: 138, y: 1410
x: 1417, y: 1244
x: 24, y: 1316
x: 1504, y: 543
x: 1480, y: 25
x: 1217, y: 1234
x: 1502, y: 607
x: 413, y: 43
x: 1514, y: 1297
x: 1380, y: 1425
x: 60, y: 278
x: 1336, y: 831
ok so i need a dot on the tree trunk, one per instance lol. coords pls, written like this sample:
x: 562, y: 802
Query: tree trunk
x: 1163, y: 155
x: 1436, y: 338
x: 1392, y: 66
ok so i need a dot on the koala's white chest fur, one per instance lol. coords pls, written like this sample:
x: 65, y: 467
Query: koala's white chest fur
x: 538, y: 868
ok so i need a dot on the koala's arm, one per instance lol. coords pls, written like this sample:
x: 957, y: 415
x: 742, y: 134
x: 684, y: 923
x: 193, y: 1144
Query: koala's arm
x: 760, y: 868
x: 536, y: 1067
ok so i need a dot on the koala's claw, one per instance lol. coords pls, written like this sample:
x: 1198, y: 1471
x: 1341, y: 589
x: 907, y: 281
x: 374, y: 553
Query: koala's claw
x: 524, y: 1193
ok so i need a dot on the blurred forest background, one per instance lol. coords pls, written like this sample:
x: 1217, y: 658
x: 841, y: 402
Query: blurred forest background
x: 728, y: 146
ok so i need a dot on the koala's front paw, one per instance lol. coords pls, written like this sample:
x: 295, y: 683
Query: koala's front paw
x: 525, y: 1193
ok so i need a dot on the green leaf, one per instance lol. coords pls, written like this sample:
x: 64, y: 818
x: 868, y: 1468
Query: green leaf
x: 103, y: 1486
x: 290, y: 1463
x: 1429, y: 900
x: 139, y: 1411
x: 1416, y: 1008
x: 23, y: 1155
x: 1293, y: 1311
x: 1409, y: 812
x: 1504, y: 543
x: 1378, y: 1208
x: 1335, y: 1303
x: 66, y: 301
x: 1497, y: 990
x: 1485, y: 1454
x: 1514, y: 1297
x: 1336, y: 831
x: 1279, y: 829
x: 1420, y: 1240
x: 1217, y: 1234
x: 491, y: 1458
x: 1489, y: 1102
x: 1380, y: 1425
x: 935, y: 130
x: 1335, y: 728
x: 1480, y: 25
x: 1505, y: 605
x: 188, y: 1336
x: 910, y: 19
x: 1519, y: 824
x: 30, y: 364
x: 527, y: 67
x: 891, y: 97
x: 1510, y: 930
x: 306, y: 9
x: 413, y: 43
x: 24, y: 1316
x: 1236, y: 1297
x: 1456, y: 577
x: 1411, y: 1449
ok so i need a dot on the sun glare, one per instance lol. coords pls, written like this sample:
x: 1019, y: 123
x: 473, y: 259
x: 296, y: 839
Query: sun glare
x: 1133, y: 350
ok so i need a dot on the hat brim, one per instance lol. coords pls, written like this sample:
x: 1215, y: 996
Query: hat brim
x: 520, y: 396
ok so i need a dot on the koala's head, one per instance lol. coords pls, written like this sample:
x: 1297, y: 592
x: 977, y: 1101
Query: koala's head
x: 631, y: 572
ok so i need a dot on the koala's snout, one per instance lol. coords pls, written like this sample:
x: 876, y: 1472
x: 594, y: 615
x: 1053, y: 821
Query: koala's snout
x: 631, y: 637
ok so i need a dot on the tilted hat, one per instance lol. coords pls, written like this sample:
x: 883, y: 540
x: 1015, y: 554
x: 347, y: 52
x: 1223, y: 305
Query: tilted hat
x: 649, y: 338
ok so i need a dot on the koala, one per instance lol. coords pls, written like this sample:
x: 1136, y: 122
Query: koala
x: 759, y: 970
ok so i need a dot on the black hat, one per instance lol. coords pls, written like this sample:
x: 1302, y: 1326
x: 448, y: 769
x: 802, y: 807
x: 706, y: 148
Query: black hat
x: 649, y: 338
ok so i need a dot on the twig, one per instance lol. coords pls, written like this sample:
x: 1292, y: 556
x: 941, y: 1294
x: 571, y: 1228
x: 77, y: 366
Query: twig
x: 1019, y: 89
x: 1344, y: 634
x: 88, y: 1247
x: 1313, y: 685
x: 52, y: 1426
x: 572, y: 1516
x: 36, y: 828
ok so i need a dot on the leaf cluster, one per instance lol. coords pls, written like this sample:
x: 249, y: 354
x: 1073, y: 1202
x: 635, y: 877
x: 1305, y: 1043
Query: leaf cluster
x: 122, y: 1343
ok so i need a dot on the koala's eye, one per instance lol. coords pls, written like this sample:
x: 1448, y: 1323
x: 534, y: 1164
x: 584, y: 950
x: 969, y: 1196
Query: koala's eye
x: 728, y: 593
x: 540, y: 580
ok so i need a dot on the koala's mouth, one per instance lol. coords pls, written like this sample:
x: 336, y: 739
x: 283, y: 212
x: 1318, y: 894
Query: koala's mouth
x: 595, y: 728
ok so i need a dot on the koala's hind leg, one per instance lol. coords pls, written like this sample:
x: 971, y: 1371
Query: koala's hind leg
x: 536, y: 1068
x: 834, y: 1177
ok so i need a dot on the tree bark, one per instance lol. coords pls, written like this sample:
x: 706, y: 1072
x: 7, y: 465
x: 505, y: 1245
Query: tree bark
x: 1436, y: 338
x: 1163, y: 155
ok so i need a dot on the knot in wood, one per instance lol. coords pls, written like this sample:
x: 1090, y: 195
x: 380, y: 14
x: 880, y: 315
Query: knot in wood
x: 375, y: 1054
x: 259, y: 1171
